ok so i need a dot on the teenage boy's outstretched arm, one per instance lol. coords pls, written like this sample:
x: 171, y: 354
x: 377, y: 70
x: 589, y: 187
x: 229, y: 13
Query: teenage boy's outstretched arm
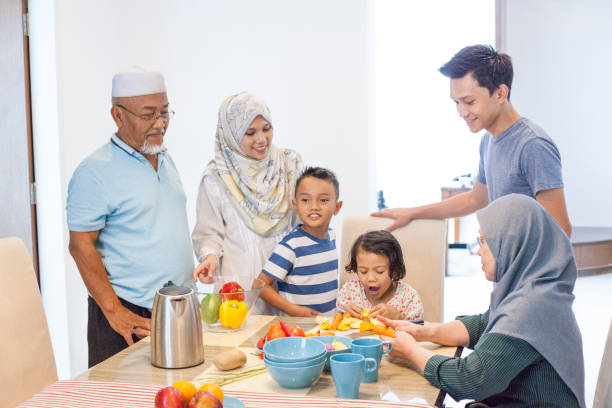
x: 457, y: 206
x: 554, y: 201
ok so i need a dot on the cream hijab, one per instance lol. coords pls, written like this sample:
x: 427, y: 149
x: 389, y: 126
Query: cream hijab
x: 261, y: 189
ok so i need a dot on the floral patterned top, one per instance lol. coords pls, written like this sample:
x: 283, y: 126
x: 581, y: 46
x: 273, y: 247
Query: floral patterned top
x: 405, y: 299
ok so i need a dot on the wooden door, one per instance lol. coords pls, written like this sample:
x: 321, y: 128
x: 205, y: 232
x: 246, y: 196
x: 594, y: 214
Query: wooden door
x: 17, y: 204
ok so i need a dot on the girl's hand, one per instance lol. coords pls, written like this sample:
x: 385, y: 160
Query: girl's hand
x: 384, y: 310
x: 415, y: 330
x: 354, y: 310
x: 206, y: 270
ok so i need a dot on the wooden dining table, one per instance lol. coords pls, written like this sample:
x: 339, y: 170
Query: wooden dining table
x: 397, y: 381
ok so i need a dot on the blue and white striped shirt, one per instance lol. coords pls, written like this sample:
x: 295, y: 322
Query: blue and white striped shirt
x: 306, y: 269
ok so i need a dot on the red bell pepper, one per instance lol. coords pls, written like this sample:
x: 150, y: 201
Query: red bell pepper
x: 285, y: 329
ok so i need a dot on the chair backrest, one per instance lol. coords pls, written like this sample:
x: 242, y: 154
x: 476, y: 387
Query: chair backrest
x: 27, y: 364
x: 423, y: 244
x: 603, y: 391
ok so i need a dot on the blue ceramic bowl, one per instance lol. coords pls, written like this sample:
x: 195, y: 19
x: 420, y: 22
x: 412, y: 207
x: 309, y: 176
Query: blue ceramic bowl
x: 347, y: 341
x: 295, y: 377
x: 293, y: 349
x: 305, y: 363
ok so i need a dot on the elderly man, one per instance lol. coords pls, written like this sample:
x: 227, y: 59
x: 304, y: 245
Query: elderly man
x: 127, y: 217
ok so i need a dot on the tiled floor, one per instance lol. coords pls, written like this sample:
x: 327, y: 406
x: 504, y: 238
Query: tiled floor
x: 467, y: 292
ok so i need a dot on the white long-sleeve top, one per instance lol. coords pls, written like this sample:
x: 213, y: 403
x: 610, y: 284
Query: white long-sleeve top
x: 221, y: 230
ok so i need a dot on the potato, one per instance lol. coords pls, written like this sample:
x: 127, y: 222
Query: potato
x: 228, y: 360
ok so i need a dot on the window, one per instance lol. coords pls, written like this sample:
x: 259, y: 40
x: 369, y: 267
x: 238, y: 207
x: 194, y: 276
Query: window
x: 421, y: 142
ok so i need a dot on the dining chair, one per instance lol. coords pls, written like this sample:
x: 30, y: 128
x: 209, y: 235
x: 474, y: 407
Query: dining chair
x: 423, y: 244
x: 603, y: 390
x: 27, y: 364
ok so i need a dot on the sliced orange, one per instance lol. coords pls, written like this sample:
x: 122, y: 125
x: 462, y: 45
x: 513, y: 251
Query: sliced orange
x: 365, y: 314
x: 186, y: 388
x: 379, y: 328
x: 389, y: 332
x: 214, y: 388
x: 365, y: 326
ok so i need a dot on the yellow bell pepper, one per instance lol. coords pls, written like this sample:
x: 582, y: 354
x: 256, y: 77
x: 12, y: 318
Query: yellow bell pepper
x: 232, y: 313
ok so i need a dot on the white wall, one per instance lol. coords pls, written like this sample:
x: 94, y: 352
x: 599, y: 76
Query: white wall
x: 308, y: 60
x: 562, y: 59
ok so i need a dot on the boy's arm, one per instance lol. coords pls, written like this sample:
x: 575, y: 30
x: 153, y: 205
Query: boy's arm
x: 554, y: 202
x: 457, y: 206
x: 272, y: 297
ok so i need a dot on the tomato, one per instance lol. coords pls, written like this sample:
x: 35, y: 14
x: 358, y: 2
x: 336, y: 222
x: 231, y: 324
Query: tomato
x: 261, y: 342
x: 275, y: 332
x: 297, y: 331
x: 234, y: 291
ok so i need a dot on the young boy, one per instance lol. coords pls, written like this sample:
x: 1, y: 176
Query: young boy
x: 516, y: 155
x: 304, y: 263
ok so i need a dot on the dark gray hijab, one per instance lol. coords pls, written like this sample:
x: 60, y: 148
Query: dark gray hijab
x: 534, y: 278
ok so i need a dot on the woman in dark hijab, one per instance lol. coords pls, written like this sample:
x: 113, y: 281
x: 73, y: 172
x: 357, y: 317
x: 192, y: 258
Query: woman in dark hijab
x: 527, y: 346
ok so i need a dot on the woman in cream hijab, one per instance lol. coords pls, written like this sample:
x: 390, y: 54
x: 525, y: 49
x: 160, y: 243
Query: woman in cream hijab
x: 244, y: 199
x: 527, y: 346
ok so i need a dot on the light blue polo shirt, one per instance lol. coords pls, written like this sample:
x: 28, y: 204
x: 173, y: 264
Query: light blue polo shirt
x: 144, y: 238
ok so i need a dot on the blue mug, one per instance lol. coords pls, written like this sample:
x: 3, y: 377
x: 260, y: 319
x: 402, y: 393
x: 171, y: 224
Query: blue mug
x: 347, y: 371
x: 371, y: 348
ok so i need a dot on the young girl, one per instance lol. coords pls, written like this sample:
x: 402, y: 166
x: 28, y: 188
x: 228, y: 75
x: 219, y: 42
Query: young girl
x: 377, y: 259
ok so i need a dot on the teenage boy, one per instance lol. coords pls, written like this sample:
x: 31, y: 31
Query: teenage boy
x: 304, y: 264
x: 516, y: 155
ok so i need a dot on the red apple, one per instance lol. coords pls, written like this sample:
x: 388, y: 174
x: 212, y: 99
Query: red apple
x: 169, y: 397
x: 205, y: 399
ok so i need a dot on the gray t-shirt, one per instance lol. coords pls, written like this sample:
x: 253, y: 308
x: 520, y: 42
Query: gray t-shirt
x: 523, y: 160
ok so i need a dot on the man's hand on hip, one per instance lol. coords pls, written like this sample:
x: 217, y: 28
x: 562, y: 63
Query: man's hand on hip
x: 126, y: 323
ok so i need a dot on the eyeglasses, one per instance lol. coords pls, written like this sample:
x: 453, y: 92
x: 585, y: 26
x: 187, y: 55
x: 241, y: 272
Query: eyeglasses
x: 479, y: 241
x: 148, y: 117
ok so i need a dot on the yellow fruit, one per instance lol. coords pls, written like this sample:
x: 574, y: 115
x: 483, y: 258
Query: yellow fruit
x: 338, y: 345
x: 365, y: 326
x: 186, y: 388
x: 214, y: 388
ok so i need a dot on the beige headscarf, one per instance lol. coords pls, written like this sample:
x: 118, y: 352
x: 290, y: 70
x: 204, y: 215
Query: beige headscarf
x: 261, y: 189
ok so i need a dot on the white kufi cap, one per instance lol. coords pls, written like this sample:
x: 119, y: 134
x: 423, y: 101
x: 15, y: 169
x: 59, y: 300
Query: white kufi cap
x: 127, y: 84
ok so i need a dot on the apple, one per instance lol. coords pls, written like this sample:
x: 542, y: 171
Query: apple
x: 205, y: 399
x: 169, y: 397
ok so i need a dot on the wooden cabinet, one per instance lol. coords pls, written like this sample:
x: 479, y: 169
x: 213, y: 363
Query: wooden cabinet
x: 448, y: 192
x: 592, y: 249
